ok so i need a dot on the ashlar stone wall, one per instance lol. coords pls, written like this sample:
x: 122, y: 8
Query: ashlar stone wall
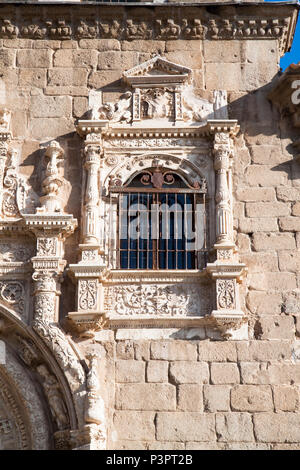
x: 161, y: 392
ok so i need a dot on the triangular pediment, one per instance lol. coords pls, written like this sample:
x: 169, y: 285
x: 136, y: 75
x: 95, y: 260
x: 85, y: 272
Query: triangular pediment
x: 156, y: 72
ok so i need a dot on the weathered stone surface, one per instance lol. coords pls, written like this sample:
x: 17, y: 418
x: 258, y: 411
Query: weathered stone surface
x: 272, y: 281
x: 124, y: 350
x: 256, y: 194
x: 276, y: 241
x: 277, y: 427
x: 216, y: 398
x: 51, y: 106
x: 114, y: 60
x: 64, y: 77
x: 262, y: 303
x: 80, y: 106
x: 189, y: 397
x: 296, y: 209
x: 189, y: 372
x: 28, y: 58
x: 173, y: 350
x: 276, y: 327
x: 50, y: 128
x: 288, y: 194
x: 267, y: 209
x: 260, y: 262
x: 33, y: 77
x: 234, y: 427
x: 258, y: 224
x: 260, y: 351
x: 75, y: 58
x: 263, y: 175
x: 251, y: 398
x: 224, y: 373
x: 185, y: 427
x: 134, y: 425
x: 254, y: 373
x: 101, y: 44
x: 157, y: 371
x: 142, y: 350
x: 217, y: 352
x: 150, y: 396
x: 289, y: 224
x: 286, y: 398
x: 130, y: 371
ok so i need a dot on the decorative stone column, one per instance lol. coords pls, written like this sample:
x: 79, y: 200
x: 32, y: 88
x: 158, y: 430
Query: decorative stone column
x: 88, y: 273
x: 226, y: 271
x: 5, y: 137
x: 51, y: 202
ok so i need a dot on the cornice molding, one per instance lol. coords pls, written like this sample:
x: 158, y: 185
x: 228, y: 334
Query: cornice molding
x: 87, y: 21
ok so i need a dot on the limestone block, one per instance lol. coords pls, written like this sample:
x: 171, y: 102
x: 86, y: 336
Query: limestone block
x: 80, y: 106
x: 286, y: 398
x: 45, y: 44
x: 258, y: 224
x: 260, y: 262
x: 128, y: 445
x: 67, y: 90
x: 18, y: 43
x: 216, y: 398
x: 257, y: 51
x: 142, y: 350
x: 256, y: 194
x: 216, y: 351
x: 265, y: 176
x: 188, y: 426
x: 115, y: 60
x: 262, y: 303
x: 276, y: 327
x: 267, y: 209
x: 204, y: 446
x: 234, y: 427
x: 157, y: 371
x: 243, y: 242
x: 34, y: 58
x: 134, y: 425
x: 7, y: 58
x: 289, y: 261
x: 173, y: 350
x: 75, y: 58
x: 61, y: 76
x: 51, y: 106
x: 296, y: 209
x: 251, y: 398
x: 227, y: 373
x: 125, y: 350
x: 254, y: 373
x: 33, y: 77
x: 267, y: 155
x: 223, y: 76
x: 182, y: 45
x: 222, y: 51
x: 262, y: 351
x: 285, y: 374
x: 289, y: 224
x: 288, y: 193
x: 292, y: 302
x: 189, y: 397
x: 189, y: 372
x: 130, y: 371
x: 103, y: 78
x: 149, y: 396
x: 141, y: 45
x: 273, y: 241
x: 101, y: 44
x: 247, y: 446
x: 272, y: 281
x: 192, y: 60
x: 69, y: 44
x: 49, y: 128
x: 158, y: 445
x: 277, y: 427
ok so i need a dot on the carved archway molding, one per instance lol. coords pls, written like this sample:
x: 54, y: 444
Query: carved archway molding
x: 50, y: 359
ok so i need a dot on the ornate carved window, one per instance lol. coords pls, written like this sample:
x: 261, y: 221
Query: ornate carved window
x: 161, y: 221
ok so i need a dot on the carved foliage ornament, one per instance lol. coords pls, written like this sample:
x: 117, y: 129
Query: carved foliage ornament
x: 226, y: 294
x: 87, y: 294
x: 13, y: 293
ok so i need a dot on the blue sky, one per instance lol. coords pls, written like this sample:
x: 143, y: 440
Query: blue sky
x: 294, y: 55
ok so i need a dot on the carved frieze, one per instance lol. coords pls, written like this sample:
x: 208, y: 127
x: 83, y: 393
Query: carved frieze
x: 155, y: 24
x: 155, y: 300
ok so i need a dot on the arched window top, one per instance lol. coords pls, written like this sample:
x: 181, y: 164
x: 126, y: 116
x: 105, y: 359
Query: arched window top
x: 158, y: 179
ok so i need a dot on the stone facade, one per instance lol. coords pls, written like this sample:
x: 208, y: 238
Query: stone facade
x: 99, y: 357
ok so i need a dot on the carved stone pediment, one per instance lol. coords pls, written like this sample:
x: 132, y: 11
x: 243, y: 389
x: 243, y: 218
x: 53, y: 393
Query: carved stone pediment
x: 156, y: 72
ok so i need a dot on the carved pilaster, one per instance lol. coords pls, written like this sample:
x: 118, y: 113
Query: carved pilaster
x: 91, y: 197
x: 223, y: 207
x: 46, y: 292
